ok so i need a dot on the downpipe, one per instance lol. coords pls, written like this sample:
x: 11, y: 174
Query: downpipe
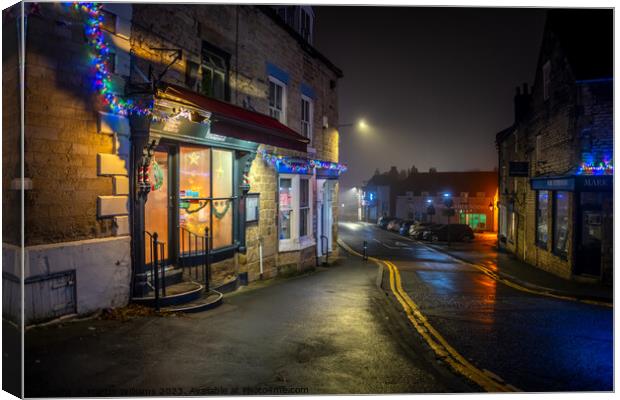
x: 260, y: 256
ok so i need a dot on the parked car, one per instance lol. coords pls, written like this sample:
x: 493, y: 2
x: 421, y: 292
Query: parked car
x: 427, y: 233
x: 456, y: 233
x: 404, y: 227
x: 394, y: 225
x: 416, y: 230
x: 383, y: 222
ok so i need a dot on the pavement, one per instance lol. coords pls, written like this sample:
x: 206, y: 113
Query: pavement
x: 525, y: 340
x: 483, y: 251
x: 330, y: 331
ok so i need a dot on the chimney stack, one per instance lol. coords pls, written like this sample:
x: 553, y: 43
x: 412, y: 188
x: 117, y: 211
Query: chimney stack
x: 521, y: 103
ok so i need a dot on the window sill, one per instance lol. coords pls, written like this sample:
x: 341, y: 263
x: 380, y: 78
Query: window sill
x: 295, y: 244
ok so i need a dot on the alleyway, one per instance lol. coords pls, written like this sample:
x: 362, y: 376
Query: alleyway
x: 327, y: 332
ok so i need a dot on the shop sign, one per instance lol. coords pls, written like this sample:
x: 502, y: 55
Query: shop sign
x: 565, y: 183
x: 580, y: 183
x: 592, y: 183
x: 519, y: 168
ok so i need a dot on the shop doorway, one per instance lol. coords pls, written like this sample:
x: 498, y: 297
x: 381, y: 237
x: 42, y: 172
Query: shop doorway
x: 324, y: 217
x: 191, y: 191
x: 589, y: 235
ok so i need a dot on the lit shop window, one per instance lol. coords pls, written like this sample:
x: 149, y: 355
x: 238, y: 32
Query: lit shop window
x: 286, y: 207
x: 542, y: 216
x: 205, y: 198
x: 277, y: 99
x: 304, y: 206
x: 295, y: 215
x: 560, y: 223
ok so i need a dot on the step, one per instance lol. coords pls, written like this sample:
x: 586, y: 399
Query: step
x: 206, y: 301
x: 179, y: 293
x: 173, y: 275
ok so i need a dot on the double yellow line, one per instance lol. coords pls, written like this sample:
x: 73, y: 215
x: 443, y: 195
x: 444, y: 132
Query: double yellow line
x: 491, y: 274
x: 443, y: 350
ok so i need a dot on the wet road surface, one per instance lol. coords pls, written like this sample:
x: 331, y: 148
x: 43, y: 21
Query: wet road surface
x: 533, y: 342
x: 327, y: 332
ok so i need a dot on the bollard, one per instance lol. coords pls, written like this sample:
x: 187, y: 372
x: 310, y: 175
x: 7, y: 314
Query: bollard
x: 365, y: 255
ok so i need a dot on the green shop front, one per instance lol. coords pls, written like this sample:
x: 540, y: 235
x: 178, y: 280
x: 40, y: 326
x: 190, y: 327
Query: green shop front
x: 191, y: 168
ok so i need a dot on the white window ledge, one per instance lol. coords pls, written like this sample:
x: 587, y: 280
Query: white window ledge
x: 296, y: 244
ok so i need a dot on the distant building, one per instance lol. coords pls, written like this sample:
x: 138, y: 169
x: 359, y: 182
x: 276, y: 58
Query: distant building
x: 556, y: 160
x: 423, y: 196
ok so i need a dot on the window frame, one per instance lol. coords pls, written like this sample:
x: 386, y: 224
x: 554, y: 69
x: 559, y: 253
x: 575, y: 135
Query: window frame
x: 210, y: 51
x: 309, y: 122
x: 296, y: 241
x: 307, y: 33
x: 272, y: 109
x: 540, y: 243
x: 211, y: 198
x: 560, y: 253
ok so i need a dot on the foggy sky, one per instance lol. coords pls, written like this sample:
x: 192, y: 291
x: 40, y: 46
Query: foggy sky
x: 436, y: 84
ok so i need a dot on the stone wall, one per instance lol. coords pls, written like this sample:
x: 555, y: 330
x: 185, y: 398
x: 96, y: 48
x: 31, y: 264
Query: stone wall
x: 572, y: 125
x: 252, y: 39
x: 69, y: 146
x: 11, y: 135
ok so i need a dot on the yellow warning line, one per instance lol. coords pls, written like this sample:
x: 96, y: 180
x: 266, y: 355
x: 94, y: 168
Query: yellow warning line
x: 437, y: 343
x: 509, y: 283
x: 490, y: 273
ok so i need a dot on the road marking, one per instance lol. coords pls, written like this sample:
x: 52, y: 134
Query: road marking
x: 493, y: 275
x: 437, y: 343
x: 399, y: 245
x: 507, y: 282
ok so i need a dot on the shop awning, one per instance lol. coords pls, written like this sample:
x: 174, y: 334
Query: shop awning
x: 237, y: 122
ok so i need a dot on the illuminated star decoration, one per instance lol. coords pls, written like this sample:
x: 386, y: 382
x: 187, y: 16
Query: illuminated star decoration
x: 193, y: 158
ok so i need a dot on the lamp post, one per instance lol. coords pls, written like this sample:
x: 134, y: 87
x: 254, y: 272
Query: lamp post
x: 447, y: 201
x: 361, y: 125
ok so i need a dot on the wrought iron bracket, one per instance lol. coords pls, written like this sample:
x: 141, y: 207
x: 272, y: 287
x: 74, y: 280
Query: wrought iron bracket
x: 178, y: 55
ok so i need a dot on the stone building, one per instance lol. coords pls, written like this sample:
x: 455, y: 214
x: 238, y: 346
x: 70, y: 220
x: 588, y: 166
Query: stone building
x: 209, y: 125
x: 556, y: 160
x: 422, y: 196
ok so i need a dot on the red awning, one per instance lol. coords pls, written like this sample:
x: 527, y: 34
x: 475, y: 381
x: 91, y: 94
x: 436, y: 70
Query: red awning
x: 237, y: 122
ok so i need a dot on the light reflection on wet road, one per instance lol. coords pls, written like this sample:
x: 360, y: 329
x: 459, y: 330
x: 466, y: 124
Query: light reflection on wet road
x: 533, y: 342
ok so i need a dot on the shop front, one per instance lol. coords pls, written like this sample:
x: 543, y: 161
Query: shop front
x: 189, y: 208
x: 574, y: 219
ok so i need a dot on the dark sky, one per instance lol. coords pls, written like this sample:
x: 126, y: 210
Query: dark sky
x: 436, y: 84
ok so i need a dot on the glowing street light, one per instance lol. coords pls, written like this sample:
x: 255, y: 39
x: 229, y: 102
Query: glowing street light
x: 361, y: 125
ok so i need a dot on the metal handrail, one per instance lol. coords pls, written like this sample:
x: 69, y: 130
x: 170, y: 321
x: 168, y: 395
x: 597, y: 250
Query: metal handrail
x: 201, y: 247
x: 158, y: 250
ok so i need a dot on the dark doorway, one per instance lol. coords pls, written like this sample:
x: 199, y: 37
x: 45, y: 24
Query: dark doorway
x: 589, y: 235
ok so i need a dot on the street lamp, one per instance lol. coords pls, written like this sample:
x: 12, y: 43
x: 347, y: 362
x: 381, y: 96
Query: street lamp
x: 361, y: 125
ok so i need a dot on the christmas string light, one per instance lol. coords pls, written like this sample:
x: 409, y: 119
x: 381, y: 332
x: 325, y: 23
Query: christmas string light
x: 99, y: 60
x: 301, y: 165
x: 602, y: 168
